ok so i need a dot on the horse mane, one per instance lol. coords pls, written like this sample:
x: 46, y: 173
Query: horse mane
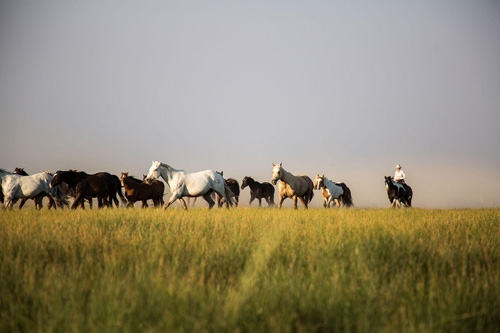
x: 135, y: 179
x: 169, y: 167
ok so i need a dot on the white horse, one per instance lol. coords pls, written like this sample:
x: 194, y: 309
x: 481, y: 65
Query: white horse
x: 333, y: 192
x: 185, y: 184
x: 16, y: 187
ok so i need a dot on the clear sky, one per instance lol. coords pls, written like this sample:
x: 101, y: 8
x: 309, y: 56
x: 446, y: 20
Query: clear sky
x: 343, y: 88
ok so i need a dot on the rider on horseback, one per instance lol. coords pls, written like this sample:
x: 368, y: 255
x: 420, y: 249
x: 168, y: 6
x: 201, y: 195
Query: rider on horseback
x: 399, y: 175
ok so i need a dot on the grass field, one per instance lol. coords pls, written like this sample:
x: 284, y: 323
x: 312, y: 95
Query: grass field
x: 250, y: 270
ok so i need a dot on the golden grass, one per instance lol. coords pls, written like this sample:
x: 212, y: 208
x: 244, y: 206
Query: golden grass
x: 250, y: 269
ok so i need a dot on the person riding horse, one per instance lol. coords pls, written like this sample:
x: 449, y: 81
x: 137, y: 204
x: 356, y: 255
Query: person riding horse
x: 399, y: 175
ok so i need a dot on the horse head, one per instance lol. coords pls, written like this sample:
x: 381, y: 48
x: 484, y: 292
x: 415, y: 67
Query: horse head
x: 56, y: 179
x: 154, y: 172
x: 277, y: 174
x: 319, y: 181
x: 244, y: 182
x: 123, y: 176
x: 20, y: 171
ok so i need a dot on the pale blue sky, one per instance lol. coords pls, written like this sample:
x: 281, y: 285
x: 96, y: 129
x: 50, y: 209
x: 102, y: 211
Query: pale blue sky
x: 343, y: 88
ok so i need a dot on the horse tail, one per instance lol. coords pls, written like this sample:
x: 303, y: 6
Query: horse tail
x: 271, y: 194
x: 119, y: 190
x: 122, y: 197
x: 310, y: 192
x: 410, y: 195
x: 229, y: 195
x: 63, y: 198
x: 346, y: 198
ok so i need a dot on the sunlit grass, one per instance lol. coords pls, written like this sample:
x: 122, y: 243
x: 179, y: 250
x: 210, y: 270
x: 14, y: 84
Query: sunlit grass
x: 249, y: 269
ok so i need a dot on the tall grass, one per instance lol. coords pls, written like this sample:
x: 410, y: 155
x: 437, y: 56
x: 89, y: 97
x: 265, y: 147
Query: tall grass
x: 246, y: 269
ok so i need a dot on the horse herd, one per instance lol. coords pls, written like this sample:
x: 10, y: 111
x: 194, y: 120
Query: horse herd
x: 210, y: 185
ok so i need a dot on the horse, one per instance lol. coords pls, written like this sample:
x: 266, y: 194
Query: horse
x: 332, y: 191
x: 38, y: 199
x: 398, y: 193
x: 159, y: 187
x: 185, y: 184
x: 16, y: 187
x: 137, y: 190
x: 235, y: 190
x: 290, y: 186
x: 102, y: 185
x: 259, y: 190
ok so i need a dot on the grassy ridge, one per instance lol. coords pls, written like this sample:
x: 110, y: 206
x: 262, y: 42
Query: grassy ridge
x: 250, y: 270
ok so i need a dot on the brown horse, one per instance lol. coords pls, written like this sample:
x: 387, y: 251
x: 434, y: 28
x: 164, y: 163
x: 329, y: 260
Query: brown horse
x: 159, y: 187
x: 259, y: 191
x: 102, y: 185
x: 300, y: 186
x: 233, y: 186
x: 135, y: 190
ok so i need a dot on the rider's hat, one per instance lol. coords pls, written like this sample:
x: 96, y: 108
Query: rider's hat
x: 398, y: 166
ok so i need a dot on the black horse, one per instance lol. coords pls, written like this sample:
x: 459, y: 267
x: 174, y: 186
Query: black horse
x: 398, y: 192
x: 259, y: 190
x: 102, y: 185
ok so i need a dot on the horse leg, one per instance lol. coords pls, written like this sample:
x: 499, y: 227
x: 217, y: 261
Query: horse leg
x: 78, y: 202
x: 337, y: 204
x: 23, y: 201
x: 270, y: 200
x: 294, y: 199
x: 172, y: 199
x: 114, y: 199
x: 303, y: 199
x: 52, y: 202
x: 282, y: 198
x: 130, y: 203
x: 183, y: 203
x: 208, y: 198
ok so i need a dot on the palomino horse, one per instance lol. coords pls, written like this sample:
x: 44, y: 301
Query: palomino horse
x: 185, y: 184
x: 259, y: 190
x: 337, y: 192
x: 300, y: 186
x: 398, y: 193
x: 137, y: 190
x: 102, y: 185
x: 16, y: 187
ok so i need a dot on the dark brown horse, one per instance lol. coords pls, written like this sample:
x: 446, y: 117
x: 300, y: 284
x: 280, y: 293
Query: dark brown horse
x: 102, y: 185
x: 233, y: 186
x: 259, y: 190
x: 159, y: 187
x: 136, y: 190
